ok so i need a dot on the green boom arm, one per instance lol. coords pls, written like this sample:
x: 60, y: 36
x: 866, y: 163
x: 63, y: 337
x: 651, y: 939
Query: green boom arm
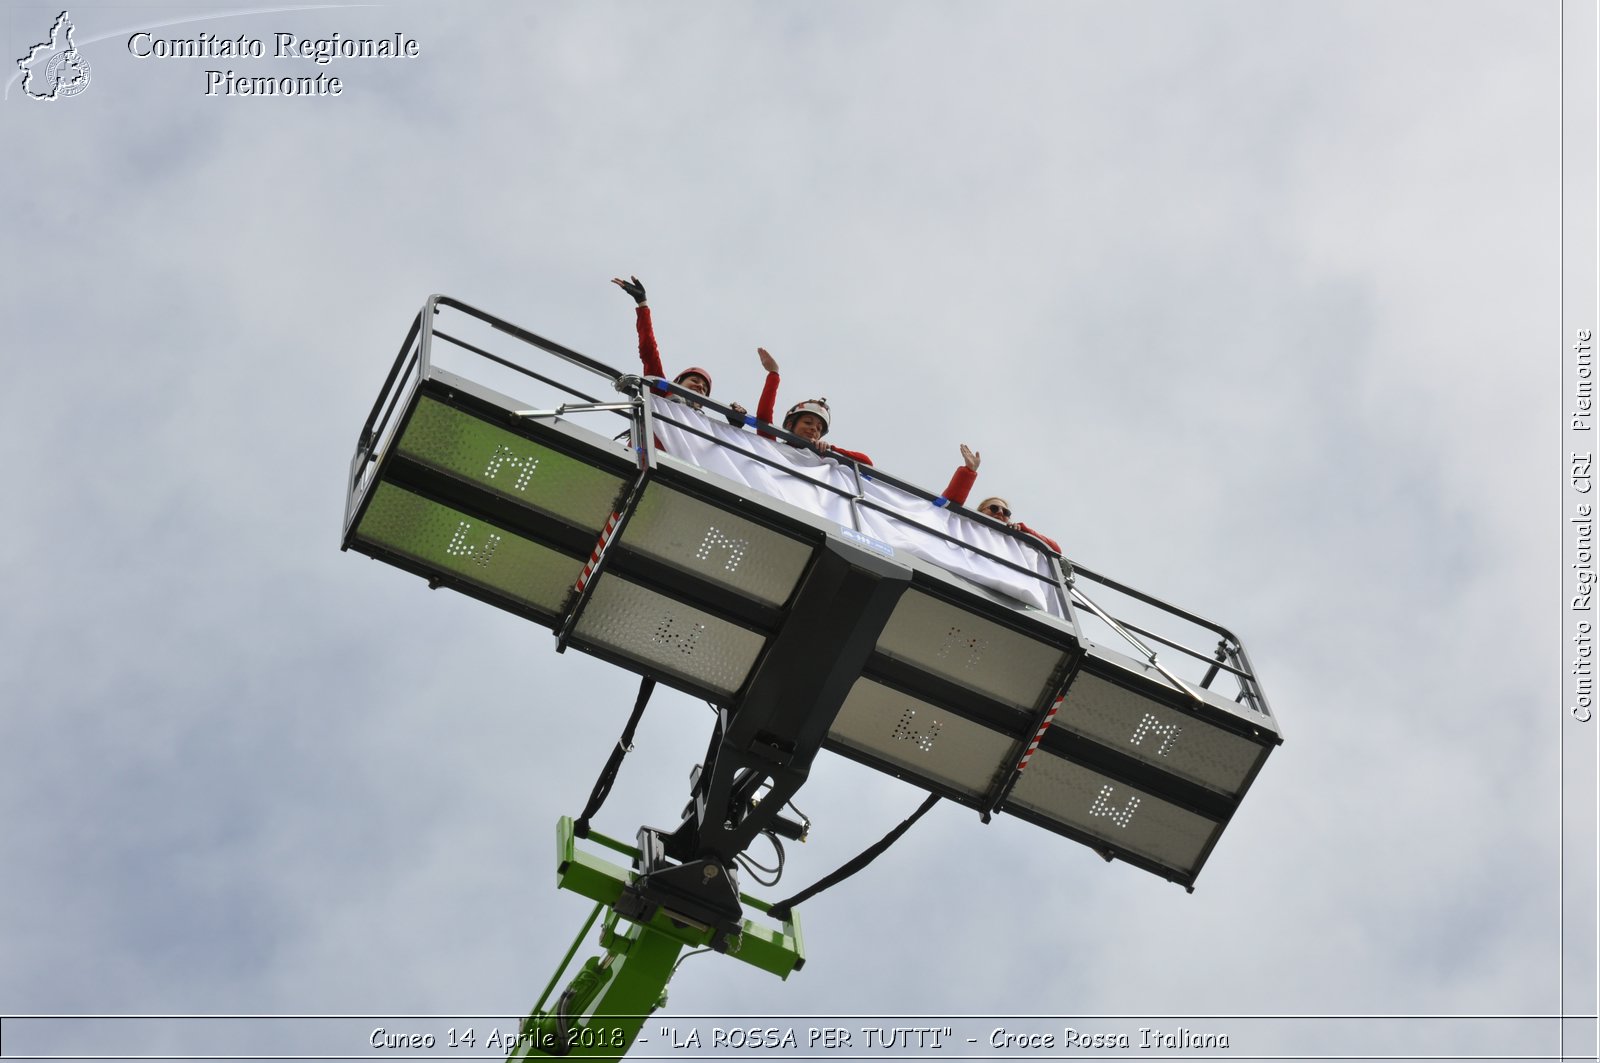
x: 600, y: 1012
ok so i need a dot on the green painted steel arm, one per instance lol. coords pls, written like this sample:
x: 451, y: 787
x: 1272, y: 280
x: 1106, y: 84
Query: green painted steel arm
x: 602, y: 1009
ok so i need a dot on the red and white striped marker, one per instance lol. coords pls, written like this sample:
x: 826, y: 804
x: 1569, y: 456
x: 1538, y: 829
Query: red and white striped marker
x: 599, y: 548
x: 1043, y: 727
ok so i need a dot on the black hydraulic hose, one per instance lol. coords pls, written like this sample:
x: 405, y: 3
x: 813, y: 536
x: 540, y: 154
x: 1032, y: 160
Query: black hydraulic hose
x: 782, y: 909
x: 602, y: 786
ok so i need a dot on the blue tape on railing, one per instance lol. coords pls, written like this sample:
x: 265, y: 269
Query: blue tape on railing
x: 941, y: 502
x: 750, y: 421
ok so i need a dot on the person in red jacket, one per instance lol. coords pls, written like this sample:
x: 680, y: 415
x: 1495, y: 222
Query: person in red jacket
x: 965, y: 476
x: 809, y: 419
x: 996, y: 508
x: 694, y: 378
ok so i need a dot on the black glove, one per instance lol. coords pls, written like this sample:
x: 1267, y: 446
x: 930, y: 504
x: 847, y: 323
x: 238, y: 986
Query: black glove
x: 632, y: 287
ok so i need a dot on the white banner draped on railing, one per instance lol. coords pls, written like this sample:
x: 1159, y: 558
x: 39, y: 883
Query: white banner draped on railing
x: 799, y: 482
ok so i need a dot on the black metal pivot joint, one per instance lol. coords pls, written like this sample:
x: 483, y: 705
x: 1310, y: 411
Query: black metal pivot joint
x: 702, y: 892
x: 761, y: 752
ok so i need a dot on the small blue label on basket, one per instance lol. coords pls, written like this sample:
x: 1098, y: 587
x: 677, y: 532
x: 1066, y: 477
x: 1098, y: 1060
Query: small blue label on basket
x: 877, y: 546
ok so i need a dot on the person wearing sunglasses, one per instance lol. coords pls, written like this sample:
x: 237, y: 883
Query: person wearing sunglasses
x: 996, y: 508
x: 694, y: 378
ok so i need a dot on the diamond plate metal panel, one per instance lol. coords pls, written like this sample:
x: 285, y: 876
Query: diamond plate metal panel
x: 1122, y: 815
x: 715, y: 544
x: 1157, y: 734
x: 654, y: 630
x: 508, y: 464
x: 474, y: 550
x: 925, y: 741
x: 966, y: 648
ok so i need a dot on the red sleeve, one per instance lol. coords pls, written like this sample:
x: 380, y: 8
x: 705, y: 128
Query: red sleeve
x: 961, y: 485
x: 768, y: 403
x: 862, y: 458
x: 1051, y: 543
x: 649, y: 354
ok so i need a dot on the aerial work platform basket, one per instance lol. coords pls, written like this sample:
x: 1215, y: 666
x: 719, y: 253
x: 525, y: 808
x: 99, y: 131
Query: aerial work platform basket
x: 817, y: 604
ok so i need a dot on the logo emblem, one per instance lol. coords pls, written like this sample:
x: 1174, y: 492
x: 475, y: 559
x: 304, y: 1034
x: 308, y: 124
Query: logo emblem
x: 55, y: 68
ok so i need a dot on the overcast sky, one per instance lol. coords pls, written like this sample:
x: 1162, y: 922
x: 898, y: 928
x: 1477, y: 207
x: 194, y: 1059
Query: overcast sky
x: 1253, y: 306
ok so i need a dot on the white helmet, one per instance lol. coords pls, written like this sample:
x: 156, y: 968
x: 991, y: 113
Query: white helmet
x: 816, y: 407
